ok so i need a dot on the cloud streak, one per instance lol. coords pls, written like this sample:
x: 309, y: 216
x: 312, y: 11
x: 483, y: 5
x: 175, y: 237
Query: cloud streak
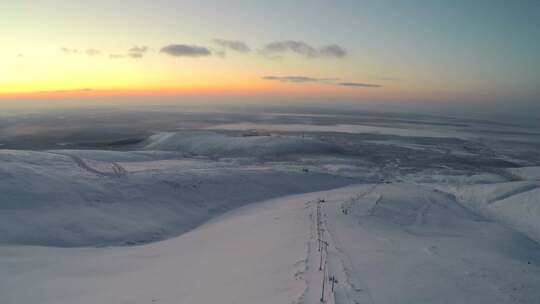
x: 330, y: 81
x: 66, y: 91
x: 297, y: 79
x: 302, y: 49
x: 184, y: 50
x: 359, y: 84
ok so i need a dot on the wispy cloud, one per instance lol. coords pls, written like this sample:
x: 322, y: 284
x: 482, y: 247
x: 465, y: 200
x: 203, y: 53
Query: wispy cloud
x: 137, y: 52
x: 116, y: 56
x: 234, y: 45
x: 69, y: 50
x: 302, y: 49
x: 389, y: 78
x: 184, y: 50
x: 330, y: 81
x: 89, y: 52
x: 93, y: 52
x: 138, y: 49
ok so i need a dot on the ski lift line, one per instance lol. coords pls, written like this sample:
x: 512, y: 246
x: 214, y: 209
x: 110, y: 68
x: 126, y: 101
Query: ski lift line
x: 327, y: 293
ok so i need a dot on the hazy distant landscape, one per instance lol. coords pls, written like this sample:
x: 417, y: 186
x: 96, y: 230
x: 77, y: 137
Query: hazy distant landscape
x: 451, y: 202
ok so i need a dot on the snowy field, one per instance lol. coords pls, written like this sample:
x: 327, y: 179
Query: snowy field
x: 230, y: 208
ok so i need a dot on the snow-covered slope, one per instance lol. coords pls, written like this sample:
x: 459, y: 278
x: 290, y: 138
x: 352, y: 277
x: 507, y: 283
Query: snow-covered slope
x: 403, y: 243
x: 419, y: 228
x: 251, y: 255
x: 393, y: 243
x: 517, y: 204
x: 71, y: 200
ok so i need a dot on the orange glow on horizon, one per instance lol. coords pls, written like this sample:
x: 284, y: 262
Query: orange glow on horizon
x: 270, y: 89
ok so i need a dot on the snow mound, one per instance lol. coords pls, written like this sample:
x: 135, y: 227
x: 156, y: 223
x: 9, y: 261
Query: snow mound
x: 219, y: 145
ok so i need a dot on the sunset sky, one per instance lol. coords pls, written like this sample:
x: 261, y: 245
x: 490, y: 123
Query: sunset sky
x: 366, y: 50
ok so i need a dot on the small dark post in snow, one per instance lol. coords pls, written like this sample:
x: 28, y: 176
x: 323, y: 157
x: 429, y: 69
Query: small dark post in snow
x: 319, y: 226
x: 323, y: 283
x: 334, y: 281
x: 322, y: 251
x: 320, y: 262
